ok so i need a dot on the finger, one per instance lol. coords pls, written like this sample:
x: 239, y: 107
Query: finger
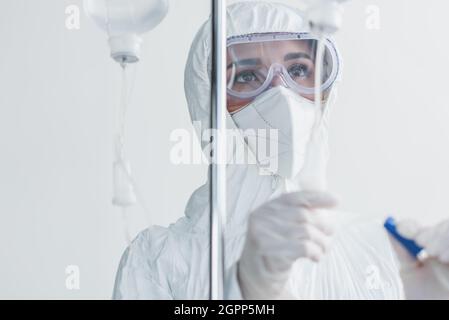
x: 278, y: 221
x: 297, y: 217
x: 294, y: 250
x: 287, y: 233
x: 262, y: 234
x: 433, y: 242
x: 312, y: 233
x: 310, y: 199
x: 311, y: 250
x: 267, y: 231
x: 274, y: 246
x: 297, y: 250
x: 408, y: 228
x: 278, y: 264
x: 429, y: 238
x: 434, y: 239
x: 324, y: 220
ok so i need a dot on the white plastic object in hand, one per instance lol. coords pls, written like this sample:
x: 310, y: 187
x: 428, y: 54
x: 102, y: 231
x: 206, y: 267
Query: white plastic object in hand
x: 280, y: 232
x: 125, y: 21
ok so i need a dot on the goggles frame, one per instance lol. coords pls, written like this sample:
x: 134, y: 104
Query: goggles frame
x: 277, y: 68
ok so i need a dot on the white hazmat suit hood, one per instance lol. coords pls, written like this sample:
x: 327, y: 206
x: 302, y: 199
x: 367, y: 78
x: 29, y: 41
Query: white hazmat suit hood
x: 173, y: 262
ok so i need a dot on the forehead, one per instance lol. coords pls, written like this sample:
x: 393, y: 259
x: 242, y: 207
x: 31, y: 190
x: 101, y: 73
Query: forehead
x: 266, y: 49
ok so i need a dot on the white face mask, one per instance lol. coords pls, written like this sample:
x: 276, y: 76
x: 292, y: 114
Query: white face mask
x: 292, y: 115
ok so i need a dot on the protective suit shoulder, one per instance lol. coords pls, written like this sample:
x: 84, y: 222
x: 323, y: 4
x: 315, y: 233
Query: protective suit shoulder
x: 139, y: 273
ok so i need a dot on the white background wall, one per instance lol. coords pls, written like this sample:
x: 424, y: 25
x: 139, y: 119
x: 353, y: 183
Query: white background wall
x: 59, y: 89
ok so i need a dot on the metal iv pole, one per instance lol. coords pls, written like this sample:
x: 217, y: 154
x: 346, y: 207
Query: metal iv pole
x: 217, y: 203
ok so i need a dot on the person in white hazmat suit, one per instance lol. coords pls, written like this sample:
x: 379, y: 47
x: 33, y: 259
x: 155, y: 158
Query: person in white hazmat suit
x: 280, y: 241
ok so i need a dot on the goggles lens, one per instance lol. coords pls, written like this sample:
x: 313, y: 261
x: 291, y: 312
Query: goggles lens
x: 257, y: 64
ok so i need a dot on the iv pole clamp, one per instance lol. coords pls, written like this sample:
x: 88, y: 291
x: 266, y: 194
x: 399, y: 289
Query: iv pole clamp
x: 217, y: 173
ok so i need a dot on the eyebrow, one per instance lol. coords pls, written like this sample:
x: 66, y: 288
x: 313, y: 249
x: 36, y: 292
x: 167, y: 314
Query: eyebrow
x: 245, y: 62
x: 296, y: 55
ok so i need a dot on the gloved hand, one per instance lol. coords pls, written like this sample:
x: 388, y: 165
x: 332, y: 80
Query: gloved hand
x: 428, y: 279
x: 279, y: 232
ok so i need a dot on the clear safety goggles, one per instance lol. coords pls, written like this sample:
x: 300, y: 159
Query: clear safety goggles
x: 256, y: 62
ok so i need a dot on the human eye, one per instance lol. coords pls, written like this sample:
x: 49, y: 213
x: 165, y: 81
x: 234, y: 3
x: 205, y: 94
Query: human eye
x: 246, y: 76
x: 299, y: 70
